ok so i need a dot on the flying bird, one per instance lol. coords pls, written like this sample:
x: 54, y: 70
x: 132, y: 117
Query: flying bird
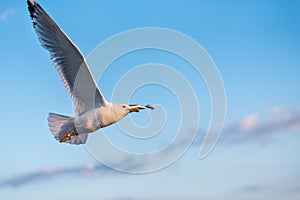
x: 93, y: 111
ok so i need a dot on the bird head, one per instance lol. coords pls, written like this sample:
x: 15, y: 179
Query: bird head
x: 121, y: 110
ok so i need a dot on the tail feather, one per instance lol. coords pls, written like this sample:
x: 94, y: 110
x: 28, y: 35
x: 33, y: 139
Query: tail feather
x: 62, y: 126
x: 55, y: 122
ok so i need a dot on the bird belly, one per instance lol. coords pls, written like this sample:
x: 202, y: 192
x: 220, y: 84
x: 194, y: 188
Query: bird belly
x: 93, y: 120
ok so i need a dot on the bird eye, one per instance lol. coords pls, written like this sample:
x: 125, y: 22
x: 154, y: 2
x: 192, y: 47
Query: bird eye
x: 124, y: 106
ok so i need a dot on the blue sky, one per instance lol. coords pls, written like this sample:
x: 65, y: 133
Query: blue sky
x: 255, y: 45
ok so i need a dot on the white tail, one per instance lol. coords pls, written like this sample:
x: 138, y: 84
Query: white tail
x: 61, y: 126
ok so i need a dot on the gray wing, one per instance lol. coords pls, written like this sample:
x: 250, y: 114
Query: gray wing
x: 68, y: 60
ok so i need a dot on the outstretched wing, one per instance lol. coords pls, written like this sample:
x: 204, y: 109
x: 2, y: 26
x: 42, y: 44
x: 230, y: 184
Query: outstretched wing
x: 68, y: 60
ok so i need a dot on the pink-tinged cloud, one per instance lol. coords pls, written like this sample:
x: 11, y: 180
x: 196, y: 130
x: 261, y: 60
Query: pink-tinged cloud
x: 253, y: 127
x: 248, y: 124
x: 6, y: 14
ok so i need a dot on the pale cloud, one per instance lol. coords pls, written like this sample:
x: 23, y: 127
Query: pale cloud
x: 262, y: 128
x: 248, y: 124
x: 45, y: 174
x: 253, y: 189
x: 7, y: 13
x: 291, y: 188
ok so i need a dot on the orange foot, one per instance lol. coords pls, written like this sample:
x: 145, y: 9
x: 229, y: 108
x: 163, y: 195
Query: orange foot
x: 68, y: 137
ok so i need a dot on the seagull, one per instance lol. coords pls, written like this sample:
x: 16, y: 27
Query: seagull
x: 92, y: 110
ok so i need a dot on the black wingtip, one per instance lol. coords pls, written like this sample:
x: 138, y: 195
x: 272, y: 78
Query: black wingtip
x: 31, y: 8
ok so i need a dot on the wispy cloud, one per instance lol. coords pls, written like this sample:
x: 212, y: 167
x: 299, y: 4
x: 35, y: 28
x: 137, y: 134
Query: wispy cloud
x: 7, y: 13
x: 48, y: 173
x: 253, y: 189
x: 291, y: 187
x: 257, y: 128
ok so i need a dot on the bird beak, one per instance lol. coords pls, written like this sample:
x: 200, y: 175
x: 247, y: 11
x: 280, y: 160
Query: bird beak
x: 134, y: 109
x: 137, y: 108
